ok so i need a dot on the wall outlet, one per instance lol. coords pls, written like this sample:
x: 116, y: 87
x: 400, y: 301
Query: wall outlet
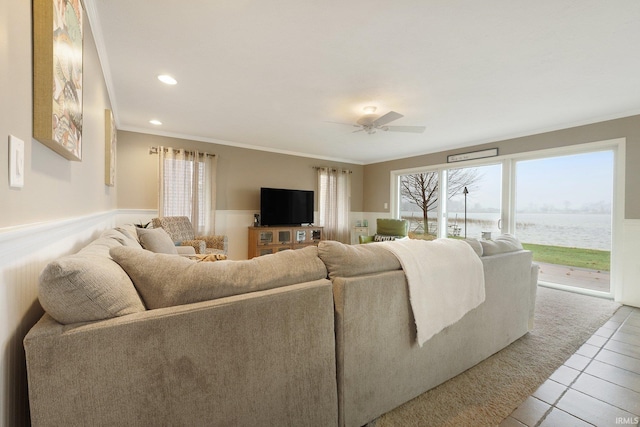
x: 16, y: 162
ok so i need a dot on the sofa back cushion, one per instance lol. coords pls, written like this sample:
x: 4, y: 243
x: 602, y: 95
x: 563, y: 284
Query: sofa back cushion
x: 89, y: 285
x: 501, y: 244
x: 348, y: 261
x: 167, y: 280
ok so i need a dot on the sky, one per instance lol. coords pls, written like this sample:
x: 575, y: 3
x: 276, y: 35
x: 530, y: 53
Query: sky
x: 567, y: 182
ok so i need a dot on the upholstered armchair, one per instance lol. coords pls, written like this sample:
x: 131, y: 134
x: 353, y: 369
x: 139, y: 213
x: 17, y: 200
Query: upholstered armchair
x: 182, y: 233
x: 387, y: 229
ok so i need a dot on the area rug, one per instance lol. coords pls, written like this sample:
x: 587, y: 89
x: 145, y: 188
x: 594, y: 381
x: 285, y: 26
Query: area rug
x: 487, y: 393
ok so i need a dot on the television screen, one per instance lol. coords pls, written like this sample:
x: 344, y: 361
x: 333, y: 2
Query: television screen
x: 280, y: 206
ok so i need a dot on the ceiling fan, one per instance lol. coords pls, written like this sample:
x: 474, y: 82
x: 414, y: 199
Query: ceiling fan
x: 370, y: 123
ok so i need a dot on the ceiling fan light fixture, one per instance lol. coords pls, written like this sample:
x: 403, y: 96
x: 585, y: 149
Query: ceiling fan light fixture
x: 369, y: 123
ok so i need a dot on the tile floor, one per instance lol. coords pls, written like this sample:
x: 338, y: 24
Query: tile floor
x: 599, y: 385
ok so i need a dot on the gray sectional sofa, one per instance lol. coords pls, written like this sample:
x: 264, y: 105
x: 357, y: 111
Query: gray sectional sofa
x: 380, y: 365
x: 313, y: 337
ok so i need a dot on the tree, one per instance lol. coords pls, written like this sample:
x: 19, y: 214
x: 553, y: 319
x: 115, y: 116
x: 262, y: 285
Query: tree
x: 421, y: 189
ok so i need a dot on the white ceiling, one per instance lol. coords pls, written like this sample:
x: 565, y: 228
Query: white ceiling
x: 274, y: 75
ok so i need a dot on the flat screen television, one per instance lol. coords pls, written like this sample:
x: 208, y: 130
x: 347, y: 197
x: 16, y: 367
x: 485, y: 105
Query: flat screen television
x: 279, y: 206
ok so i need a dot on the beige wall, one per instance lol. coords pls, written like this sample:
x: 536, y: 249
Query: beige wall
x: 377, y: 176
x: 241, y: 172
x: 53, y: 186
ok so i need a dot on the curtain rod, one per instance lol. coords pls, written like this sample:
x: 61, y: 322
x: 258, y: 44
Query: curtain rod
x: 154, y: 150
x: 332, y: 169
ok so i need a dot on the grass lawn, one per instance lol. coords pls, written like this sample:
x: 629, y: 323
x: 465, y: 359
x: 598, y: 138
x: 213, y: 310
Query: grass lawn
x: 575, y: 257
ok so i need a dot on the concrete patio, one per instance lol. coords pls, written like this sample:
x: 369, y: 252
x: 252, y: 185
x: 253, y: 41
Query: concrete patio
x: 573, y: 276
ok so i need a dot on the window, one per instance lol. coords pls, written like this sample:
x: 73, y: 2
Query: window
x: 474, y: 201
x: 187, y: 187
x: 471, y: 202
x: 577, y: 184
x: 419, y: 193
x: 334, y: 203
x: 564, y: 215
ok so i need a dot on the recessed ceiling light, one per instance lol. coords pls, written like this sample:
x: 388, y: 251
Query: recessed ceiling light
x: 369, y: 110
x: 155, y: 122
x: 167, y: 79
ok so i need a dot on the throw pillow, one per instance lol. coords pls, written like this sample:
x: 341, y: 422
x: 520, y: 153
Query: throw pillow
x: 165, y: 280
x: 501, y: 244
x: 381, y: 238
x: 156, y: 240
x: 88, y: 286
x: 475, y: 245
x: 131, y: 232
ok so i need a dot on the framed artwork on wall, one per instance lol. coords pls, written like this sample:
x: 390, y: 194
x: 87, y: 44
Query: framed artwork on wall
x: 110, y: 141
x: 57, y: 75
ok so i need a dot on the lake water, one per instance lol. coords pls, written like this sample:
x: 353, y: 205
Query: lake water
x: 589, y: 231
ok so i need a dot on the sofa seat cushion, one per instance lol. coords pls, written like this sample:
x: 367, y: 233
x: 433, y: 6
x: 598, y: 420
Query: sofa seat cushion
x: 355, y: 260
x: 501, y: 244
x: 167, y: 280
x: 89, y: 285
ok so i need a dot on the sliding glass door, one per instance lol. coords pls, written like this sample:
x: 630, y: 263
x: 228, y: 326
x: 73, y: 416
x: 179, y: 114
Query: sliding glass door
x: 564, y: 215
x: 560, y: 203
x: 474, y: 201
x: 419, y: 202
x: 468, y: 199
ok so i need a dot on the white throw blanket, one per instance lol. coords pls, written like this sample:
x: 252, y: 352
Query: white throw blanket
x: 446, y: 280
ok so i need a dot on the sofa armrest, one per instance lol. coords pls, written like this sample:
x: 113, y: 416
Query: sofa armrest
x: 266, y: 357
x: 198, y: 244
x: 186, y: 250
x: 215, y: 242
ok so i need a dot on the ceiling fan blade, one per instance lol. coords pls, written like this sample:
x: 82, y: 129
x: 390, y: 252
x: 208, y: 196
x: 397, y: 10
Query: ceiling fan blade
x: 340, y: 123
x: 387, y: 118
x: 414, y: 129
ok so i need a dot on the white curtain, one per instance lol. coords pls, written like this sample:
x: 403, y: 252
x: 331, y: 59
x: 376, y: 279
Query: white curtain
x: 187, y: 187
x: 334, y: 203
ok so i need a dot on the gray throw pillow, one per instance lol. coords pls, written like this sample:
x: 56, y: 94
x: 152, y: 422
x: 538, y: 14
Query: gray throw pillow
x: 157, y: 240
x: 501, y: 244
x: 475, y: 245
x: 130, y: 231
x: 165, y: 280
x: 88, y: 286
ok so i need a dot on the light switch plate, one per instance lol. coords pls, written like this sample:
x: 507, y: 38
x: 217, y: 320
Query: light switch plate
x: 16, y: 162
